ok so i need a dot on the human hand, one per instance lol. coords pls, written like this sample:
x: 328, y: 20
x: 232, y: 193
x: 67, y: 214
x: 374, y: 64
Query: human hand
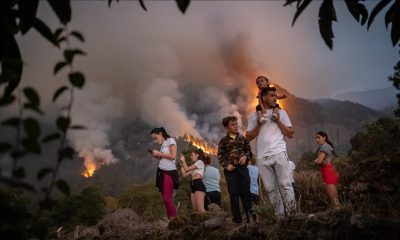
x: 182, y: 158
x: 230, y: 168
x: 156, y: 154
x: 242, y: 160
x: 275, y: 117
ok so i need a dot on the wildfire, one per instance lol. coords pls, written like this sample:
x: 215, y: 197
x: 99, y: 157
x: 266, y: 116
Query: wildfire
x: 207, y: 148
x: 90, y: 166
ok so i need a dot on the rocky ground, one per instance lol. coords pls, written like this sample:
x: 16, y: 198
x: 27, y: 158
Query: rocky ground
x: 340, y: 224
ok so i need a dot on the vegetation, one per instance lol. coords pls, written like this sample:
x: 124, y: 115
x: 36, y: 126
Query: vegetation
x: 370, y: 172
x: 84, y: 208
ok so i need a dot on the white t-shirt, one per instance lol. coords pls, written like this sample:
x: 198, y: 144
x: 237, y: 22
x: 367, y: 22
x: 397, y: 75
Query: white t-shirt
x: 200, y: 168
x: 166, y: 164
x: 270, y: 139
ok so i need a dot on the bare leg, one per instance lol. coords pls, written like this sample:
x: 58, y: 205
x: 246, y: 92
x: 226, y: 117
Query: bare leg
x: 193, y: 200
x: 199, y: 198
x: 331, y: 190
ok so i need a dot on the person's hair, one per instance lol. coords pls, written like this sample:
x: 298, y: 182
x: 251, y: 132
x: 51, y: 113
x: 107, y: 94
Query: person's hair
x: 259, y: 77
x: 226, y: 120
x: 162, y: 131
x: 325, y: 135
x: 266, y: 90
x: 207, y: 160
x: 199, y: 152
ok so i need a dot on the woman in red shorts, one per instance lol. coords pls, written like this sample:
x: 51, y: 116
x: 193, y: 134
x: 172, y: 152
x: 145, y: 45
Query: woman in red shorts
x: 328, y: 172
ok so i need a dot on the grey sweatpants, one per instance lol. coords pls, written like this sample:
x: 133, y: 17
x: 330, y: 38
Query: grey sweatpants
x: 274, y: 173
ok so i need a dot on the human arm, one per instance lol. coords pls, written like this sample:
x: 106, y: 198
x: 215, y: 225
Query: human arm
x: 253, y: 128
x: 185, y: 170
x: 283, y: 96
x: 222, y: 155
x: 170, y: 156
x: 284, y: 124
x: 320, y: 160
x: 245, y: 151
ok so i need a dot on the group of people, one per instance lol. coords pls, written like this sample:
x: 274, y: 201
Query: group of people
x: 269, y: 125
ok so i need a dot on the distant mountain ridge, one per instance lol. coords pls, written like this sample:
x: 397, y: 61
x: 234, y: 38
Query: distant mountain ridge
x: 378, y: 99
x: 340, y: 119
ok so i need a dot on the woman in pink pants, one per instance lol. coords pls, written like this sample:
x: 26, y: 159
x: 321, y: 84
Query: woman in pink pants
x: 167, y: 175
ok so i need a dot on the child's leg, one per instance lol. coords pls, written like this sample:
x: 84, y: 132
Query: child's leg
x: 199, y: 198
x: 260, y: 117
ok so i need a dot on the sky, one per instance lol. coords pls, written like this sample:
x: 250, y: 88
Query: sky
x: 122, y: 37
x: 187, y: 71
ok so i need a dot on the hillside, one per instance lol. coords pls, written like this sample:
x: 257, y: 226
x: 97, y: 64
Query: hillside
x: 377, y: 99
x: 340, y: 119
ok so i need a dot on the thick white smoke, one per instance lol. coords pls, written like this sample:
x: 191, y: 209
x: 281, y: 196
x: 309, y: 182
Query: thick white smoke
x: 96, y: 111
x: 160, y: 107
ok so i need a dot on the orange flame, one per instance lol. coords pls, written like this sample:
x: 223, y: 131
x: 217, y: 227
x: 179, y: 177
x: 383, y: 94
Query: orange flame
x: 199, y: 143
x: 90, y: 166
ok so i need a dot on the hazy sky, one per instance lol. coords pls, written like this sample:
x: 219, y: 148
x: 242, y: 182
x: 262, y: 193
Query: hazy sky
x: 199, y: 67
x: 187, y: 72
x: 121, y: 38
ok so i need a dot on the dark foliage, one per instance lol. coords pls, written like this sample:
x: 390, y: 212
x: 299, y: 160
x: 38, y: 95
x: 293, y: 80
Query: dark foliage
x: 85, y: 208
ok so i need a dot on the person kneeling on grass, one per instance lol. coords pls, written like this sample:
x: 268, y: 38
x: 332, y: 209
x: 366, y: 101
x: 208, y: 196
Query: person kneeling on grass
x: 198, y: 190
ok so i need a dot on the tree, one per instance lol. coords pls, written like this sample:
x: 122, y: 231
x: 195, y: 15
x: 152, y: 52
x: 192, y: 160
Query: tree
x: 395, y: 79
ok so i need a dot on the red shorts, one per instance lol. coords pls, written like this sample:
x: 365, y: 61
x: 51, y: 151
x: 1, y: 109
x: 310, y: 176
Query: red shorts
x: 329, y: 174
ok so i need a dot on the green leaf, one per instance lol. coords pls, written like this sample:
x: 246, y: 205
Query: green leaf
x: 63, y: 186
x: 70, y: 53
x: 11, y: 122
x: 34, y: 108
x: 327, y: 15
x: 300, y: 8
x: 183, y: 5
x: 62, y: 8
x: 78, y: 36
x: 11, y: 63
x: 78, y: 127
x: 395, y: 31
x: 59, y: 66
x: 31, y: 145
x: 63, y: 123
x: 17, y: 183
x: 51, y: 137
x: 27, y: 13
x: 61, y: 39
x: 45, y: 31
x: 358, y: 10
x: 19, y: 172
x: 77, y: 79
x: 58, y: 92
x: 32, y: 127
x: 58, y: 32
x: 18, y: 154
x: 142, y: 5
x: 67, y: 152
x: 43, y: 172
x: 32, y: 96
x: 109, y: 2
x: 5, y: 147
x: 382, y: 4
x: 7, y: 100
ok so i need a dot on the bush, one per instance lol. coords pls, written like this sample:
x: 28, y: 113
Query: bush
x: 14, y: 217
x: 85, y: 208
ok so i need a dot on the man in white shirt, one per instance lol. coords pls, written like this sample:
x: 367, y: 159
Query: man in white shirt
x: 272, y: 158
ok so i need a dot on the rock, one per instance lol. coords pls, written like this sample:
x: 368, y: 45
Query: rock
x: 82, y: 232
x: 179, y: 222
x: 216, y: 222
x: 120, y: 219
